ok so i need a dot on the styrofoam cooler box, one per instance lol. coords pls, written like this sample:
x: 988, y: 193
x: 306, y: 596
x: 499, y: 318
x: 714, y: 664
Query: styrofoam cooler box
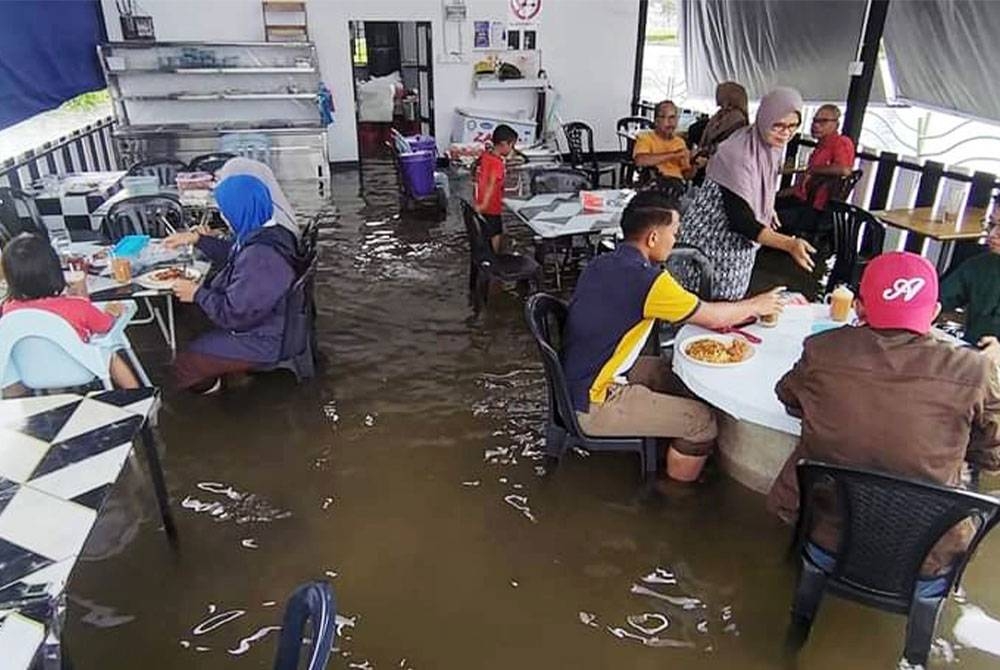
x: 475, y: 125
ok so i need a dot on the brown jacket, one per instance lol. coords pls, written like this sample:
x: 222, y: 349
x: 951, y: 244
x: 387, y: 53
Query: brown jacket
x: 892, y: 401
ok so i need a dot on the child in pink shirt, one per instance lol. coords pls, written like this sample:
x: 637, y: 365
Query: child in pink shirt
x: 35, y: 280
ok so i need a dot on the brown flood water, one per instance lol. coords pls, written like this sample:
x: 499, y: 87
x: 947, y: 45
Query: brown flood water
x: 406, y: 474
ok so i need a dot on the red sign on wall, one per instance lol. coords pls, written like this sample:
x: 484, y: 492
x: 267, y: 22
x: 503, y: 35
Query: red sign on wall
x: 525, y: 10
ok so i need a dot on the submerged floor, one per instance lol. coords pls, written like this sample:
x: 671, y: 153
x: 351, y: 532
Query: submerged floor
x: 405, y: 475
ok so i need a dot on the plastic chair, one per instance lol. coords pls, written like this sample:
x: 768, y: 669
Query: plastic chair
x: 684, y: 254
x: 546, y: 316
x: 210, y: 163
x: 857, y: 238
x: 153, y: 215
x: 627, y: 127
x: 249, y: 145
x: 889, y: 525
x: 563, y: 180
x: 580, y: 142
x: 41, y: 350
x: 839, y: 187
x: 485, y: 265
x: 298, y: 343
x: 19, y: 214
x: 164, y: 169
x: 311, y: 601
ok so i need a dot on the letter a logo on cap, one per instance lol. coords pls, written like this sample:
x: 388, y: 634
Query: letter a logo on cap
x: 907, y: 289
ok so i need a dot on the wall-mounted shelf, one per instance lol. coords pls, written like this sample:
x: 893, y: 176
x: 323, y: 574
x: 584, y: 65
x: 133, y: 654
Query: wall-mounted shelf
x: 491, y: 84
x: 223, y: 70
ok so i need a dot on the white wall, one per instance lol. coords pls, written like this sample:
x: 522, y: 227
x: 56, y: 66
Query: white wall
x: 588, y: 50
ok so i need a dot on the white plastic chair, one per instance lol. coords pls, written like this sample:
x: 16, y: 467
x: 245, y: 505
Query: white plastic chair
x: 41, y: 350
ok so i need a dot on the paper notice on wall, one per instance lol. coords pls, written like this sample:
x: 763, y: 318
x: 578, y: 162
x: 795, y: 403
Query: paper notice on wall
x: 481, y: 34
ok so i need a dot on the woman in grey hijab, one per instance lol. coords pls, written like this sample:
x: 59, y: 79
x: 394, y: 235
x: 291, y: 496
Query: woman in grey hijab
x: 284, y: 214
x: 733, y: 214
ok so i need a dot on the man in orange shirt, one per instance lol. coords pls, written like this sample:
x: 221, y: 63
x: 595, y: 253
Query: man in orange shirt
x: 661, y: 148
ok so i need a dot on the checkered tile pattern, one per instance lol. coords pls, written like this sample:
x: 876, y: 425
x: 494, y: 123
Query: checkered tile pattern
x: 59, y: 457
x: 551, y: 215
x: 73, y: 207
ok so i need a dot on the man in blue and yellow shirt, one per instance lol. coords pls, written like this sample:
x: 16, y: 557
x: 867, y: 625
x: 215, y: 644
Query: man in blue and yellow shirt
x: 617, y: 392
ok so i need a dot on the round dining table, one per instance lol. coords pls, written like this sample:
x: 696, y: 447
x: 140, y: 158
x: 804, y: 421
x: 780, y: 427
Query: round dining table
x: 756, y: 434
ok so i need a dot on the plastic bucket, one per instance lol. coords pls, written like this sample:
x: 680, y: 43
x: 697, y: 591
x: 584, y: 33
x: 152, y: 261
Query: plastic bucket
x: 422, y: 143
x: 418, y: 172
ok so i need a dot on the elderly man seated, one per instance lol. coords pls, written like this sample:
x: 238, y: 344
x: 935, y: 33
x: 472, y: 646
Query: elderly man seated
x: 799, y: 207
x: 890, y: 397
x: 663, y: 150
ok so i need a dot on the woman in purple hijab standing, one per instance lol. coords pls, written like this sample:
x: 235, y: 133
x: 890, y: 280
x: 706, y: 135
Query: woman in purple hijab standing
x: 733, y: 214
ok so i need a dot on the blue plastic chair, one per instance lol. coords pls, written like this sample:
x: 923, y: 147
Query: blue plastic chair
x: 256, y: 146
x: 312, y: 600
x: 41, y: 350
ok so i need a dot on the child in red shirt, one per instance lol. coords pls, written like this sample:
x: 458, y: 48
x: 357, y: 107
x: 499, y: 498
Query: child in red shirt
x: 490, y: 175
x: 35, y: 280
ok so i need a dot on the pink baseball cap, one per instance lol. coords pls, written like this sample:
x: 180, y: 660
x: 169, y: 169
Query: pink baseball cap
x: 900, y: 290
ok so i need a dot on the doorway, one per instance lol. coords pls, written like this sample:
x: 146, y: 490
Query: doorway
x: 393, y: 82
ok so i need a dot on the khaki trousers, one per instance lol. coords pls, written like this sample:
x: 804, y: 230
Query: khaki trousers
x: 650, y: 406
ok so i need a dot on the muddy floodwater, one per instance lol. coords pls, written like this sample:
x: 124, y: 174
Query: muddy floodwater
x: 407, y: 474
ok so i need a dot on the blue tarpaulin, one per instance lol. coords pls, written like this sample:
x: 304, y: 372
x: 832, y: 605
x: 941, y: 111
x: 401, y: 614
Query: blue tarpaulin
x: 48, y: 54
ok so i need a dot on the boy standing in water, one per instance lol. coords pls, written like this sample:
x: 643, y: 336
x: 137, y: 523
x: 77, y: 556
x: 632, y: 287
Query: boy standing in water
x: 490, y: 176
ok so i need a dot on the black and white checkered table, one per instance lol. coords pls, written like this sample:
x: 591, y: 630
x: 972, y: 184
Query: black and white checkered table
x: 551, y: 215
x: 73, y: 202
x: 60, y: 455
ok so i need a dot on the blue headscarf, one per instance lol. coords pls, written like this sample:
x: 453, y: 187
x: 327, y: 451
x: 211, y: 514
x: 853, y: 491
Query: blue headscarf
x: 246, y: 203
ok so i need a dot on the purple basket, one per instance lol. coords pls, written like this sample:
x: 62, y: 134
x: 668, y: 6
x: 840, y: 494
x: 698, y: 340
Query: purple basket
x: 422, y: 143
x: 417, y: 172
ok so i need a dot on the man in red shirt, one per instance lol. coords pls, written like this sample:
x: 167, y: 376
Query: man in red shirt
x: 490, y: 176
x: 831, y: 160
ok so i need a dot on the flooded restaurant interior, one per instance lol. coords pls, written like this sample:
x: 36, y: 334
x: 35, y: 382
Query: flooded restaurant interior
x: 280, y: 389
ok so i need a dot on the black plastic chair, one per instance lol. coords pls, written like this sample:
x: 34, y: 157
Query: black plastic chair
x: 627, y: 127
x: 485, y: 265
x: 889, y: 525
x: 298, y: 343
x: 684, y: 256
x: 857, y: 238
x: 210, y: 163
x: 580, y: 142
x: 546, y: 317
x: 309, y: 239
x: 153, y: 215
x: 19, y: 214
x: 312, y: 601
x: 561, y: 180
x: 164, y: 169
x: 840, y: 188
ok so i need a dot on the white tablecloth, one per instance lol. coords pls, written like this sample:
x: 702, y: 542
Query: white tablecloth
x: 746, y: 391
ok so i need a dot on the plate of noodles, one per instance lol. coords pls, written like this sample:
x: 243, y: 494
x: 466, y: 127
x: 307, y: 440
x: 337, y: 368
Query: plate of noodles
x: 164, y: 278
x: 717, y: 351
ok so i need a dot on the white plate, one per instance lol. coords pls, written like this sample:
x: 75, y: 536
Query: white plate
x: 724, y: 339
x: 150, y: 281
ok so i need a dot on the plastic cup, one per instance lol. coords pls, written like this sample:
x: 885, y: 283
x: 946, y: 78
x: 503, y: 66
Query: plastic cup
x: 840, y: 302
x: 121, y: 270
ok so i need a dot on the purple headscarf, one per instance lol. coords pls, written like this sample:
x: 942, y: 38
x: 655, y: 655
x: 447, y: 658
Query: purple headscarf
x: 746, y: 164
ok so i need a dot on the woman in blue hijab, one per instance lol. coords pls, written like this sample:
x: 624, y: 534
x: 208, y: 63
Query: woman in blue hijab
x: 245, y: 300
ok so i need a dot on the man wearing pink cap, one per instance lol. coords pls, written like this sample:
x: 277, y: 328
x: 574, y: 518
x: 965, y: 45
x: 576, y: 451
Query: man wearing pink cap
x: 889, y: 396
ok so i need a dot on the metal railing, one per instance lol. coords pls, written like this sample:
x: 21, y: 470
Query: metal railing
x: 89, y: 149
